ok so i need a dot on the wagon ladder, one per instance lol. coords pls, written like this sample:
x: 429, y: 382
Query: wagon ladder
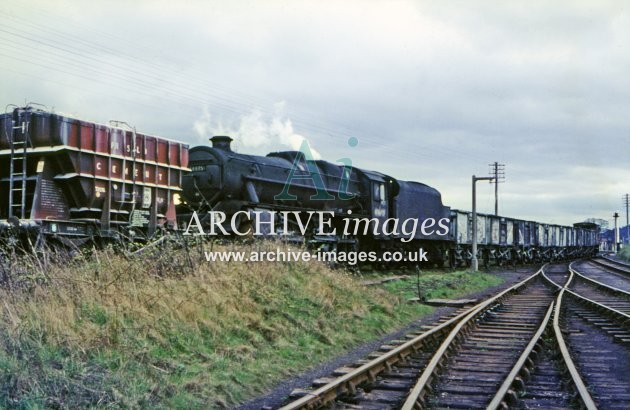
x: 19, y: 143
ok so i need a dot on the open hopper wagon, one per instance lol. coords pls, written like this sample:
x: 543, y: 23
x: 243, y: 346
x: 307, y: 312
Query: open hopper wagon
x: 63, y: 176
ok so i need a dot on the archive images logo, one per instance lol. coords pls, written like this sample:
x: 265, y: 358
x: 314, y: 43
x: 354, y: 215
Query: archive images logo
x: 261, y: 222
x: 305, y: 156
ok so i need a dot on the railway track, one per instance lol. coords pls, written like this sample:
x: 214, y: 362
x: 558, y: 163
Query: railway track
x: 513, y: 350
x: 597, y: 325
x: 611, y: 273
x: 613, y: 298
x: 612, y: 265
x: 616, y: 262
x: 600, y: 274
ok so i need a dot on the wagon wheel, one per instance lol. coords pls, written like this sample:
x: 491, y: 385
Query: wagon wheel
x: 486, y: 259
x: 501, y: 259
x: 452, y: 262
x: 245, y: 225
x: 513, y: 258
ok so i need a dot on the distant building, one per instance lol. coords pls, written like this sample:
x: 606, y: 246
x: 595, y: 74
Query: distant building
x: 607, y: 238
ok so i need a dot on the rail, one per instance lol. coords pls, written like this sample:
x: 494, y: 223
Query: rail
x: 601, y: 285
x: 617, y: 262
x: 506, y: 393
x: 414, y: 399
x: 600, y: 307
x: 613, y: 265
x: 578, y: 383
x: 452, y: 333
x: 369, y: 371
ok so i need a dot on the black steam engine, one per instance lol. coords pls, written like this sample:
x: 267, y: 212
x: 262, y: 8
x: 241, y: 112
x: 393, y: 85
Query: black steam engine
x: 234, y: 183
x: 229, y: 182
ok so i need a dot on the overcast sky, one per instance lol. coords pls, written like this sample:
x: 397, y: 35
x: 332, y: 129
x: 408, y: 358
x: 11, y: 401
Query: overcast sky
x: 434, y: 91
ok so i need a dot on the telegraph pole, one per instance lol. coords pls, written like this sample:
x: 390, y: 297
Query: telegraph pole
x: 626, y: 202
x: 498, y: 175
x: 474, y: 263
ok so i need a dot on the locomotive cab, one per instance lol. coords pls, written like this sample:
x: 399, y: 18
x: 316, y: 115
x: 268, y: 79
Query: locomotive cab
x: 380, y: 191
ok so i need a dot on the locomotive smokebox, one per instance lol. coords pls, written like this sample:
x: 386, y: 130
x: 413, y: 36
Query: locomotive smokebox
x: 222, y: 142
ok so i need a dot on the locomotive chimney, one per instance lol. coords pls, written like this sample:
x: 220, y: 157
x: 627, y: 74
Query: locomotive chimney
x: 221, y: 142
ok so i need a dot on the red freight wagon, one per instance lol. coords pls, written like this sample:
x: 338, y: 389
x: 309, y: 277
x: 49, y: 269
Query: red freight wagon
x: 66, y: 176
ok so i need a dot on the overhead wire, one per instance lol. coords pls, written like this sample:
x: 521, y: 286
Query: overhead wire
x: 182, y: 95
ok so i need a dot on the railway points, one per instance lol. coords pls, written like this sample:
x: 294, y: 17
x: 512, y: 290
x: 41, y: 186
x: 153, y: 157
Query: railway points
x: 556, y: 340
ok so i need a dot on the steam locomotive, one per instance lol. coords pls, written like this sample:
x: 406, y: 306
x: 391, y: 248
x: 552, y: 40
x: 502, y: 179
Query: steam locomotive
x: 224, y: 181
x: 73, y: 181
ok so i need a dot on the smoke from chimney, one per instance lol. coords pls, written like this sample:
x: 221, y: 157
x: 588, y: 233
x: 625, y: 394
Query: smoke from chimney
x: 254, y: 132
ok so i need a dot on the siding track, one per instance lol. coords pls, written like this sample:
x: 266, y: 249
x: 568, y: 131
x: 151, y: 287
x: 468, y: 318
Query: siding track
x: 556, y: 340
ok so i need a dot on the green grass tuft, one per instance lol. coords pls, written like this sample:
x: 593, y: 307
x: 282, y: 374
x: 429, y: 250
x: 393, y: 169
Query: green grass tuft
x: 624, y: 253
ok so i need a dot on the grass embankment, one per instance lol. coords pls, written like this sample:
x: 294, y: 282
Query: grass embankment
x: 154, y: 331
x: 440, y: 285
x: 624, y: 253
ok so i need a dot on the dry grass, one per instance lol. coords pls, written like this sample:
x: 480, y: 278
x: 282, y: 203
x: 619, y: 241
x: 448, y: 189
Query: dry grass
x: 169, y: 329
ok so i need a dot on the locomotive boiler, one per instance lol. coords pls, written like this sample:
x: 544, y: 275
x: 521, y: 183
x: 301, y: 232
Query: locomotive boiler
x: 223, y: 180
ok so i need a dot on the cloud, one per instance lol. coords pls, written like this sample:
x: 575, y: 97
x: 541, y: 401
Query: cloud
x: 434, y: 91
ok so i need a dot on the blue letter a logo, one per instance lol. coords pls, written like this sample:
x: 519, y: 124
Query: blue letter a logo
x: 304, y: 154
